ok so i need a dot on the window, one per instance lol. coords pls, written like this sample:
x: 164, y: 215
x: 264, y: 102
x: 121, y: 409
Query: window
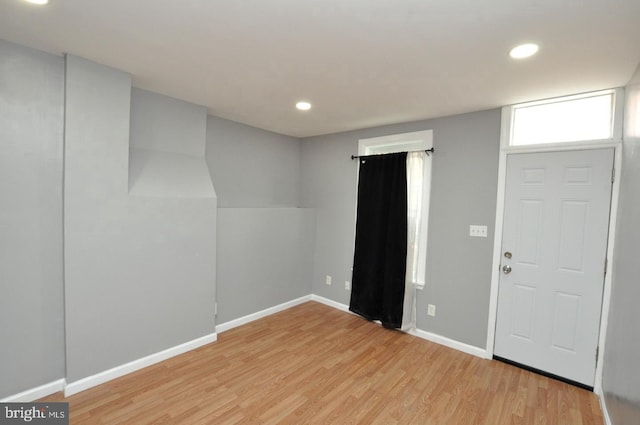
x: 568, y: 119
x: 418, y: 192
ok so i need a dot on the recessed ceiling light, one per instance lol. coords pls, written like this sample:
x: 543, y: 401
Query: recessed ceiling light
x: 38, y: 2
x: 303, y: 106
x: 524, y: 51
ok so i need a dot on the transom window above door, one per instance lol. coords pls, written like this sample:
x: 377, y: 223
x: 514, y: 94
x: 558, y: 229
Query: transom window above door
x: 589, y: 117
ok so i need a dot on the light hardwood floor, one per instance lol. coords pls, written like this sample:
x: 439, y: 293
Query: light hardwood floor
x: 313, y: 364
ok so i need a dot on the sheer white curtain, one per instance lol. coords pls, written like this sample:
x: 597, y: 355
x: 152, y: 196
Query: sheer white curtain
x: 417, y: 200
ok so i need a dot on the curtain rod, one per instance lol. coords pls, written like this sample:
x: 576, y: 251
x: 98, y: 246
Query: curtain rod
x: 363, y: 156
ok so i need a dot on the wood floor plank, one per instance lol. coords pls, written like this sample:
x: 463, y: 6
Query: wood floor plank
x: 313, y: 364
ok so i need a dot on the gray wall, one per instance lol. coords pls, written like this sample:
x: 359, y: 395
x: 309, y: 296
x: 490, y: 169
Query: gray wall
x: 167, y: 148
x: 31, y: 279
x: 621, y: 374
x: 264, y: 258
x: 464, y: 181
x: 252, y: 167
x: 165, y: 124
x: 265, y: 242
x: 139, y: 270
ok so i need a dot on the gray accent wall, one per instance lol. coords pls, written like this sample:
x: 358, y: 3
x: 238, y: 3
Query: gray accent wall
x: 621, y: 374
x: 252, y: 167
x: 164, y: 124
x: 265, y: 241
x: 463, y: 192
x: 31, y: 277
x: 264, y: 258
x: 139, y: 270
x: 167, y: 148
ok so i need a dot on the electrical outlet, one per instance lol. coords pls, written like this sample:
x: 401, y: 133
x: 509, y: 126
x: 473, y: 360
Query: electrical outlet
x: 478, y: 231
x: 347, y: 285
x: 431, y: 310
x: 328, y: 280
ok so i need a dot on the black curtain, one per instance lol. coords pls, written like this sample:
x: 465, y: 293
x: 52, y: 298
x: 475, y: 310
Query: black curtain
x: 380, y: 259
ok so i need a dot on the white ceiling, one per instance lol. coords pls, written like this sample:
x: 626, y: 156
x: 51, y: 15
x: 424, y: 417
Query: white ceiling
x: 362, y: 63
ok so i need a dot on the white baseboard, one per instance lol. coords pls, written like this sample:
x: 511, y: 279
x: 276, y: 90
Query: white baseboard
x: 603, y: 407
x: 118, y: 371
x: 330, y: 303
x: 35, y: 393
x: 456, y: 345
x: 260, y: 314
x: 460, y: 346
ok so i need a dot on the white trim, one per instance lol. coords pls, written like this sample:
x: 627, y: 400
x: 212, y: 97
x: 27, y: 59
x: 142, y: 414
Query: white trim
x: 438, y: 339
x: 619, y: 109
x: 260, y: 314
x: 35, y: 393
x: 413, y: 141
x: 451, y: 343
x: 330, y: 303
x: 497, y: 238
x: 608, y: 278
x: 563, y: 147
x: 605, y: 411
x: 118, y: 371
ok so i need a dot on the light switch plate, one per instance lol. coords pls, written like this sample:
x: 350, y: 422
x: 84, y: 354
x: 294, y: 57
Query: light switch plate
x: 477, y: 231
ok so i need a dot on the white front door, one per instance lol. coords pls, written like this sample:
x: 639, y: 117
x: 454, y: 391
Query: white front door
x: 554, y: 244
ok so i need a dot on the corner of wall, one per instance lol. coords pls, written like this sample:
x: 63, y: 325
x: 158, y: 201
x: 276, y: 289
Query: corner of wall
x: 120, y: 247
x: 167, y: 148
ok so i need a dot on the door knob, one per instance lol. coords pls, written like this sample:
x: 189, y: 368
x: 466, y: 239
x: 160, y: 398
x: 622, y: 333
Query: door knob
x: 506, y: 269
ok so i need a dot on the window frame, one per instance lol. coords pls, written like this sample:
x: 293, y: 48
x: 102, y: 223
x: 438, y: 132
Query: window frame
x: 403, y: 142
x: 408, y: 142
x: 508, y: 118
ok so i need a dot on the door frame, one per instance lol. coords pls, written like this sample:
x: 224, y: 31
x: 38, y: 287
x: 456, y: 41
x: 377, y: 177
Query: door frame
x: 505, y: 150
